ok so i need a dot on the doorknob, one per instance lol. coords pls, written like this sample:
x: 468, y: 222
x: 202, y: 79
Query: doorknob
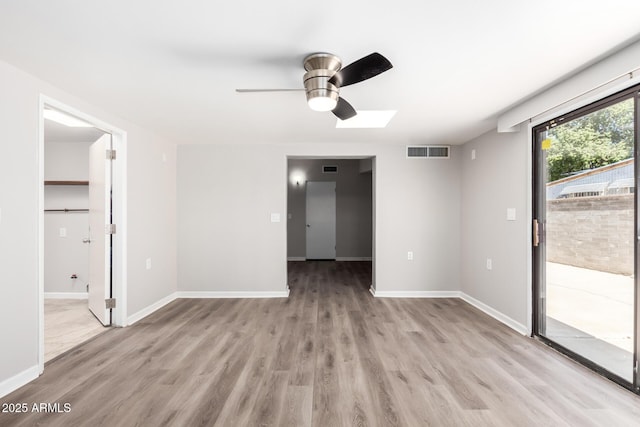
x: 86, y: 240
x: 308, y: 225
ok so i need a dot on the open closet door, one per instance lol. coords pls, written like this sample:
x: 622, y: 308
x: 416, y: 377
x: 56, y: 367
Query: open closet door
x: 99, y: 229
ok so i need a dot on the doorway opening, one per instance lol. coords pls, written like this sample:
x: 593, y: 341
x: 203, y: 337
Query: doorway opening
x: 81, y: 274
x: 585, y: 235
x: 331, y: 216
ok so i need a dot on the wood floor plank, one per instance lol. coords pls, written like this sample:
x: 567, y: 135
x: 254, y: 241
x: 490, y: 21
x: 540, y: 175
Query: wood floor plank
x: 238, y: 407
x: 384, y: 404
x: 298, y: 407
x: 326, y: 387
x: 270, y: 400
x: 329, y: 355
x: 303, y: 369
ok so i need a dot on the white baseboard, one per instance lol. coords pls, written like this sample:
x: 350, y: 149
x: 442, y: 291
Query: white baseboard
x: 516, y: 326
x: 415, y: 294
x: 197, y: 294
x: 340, y: 258
x: 66, y: 295
x: 15, y: 382
x: 150, y: 309
x: 232, y: 294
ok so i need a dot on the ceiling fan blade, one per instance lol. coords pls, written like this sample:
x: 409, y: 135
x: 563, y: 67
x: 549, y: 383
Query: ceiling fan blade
x: 268, y: 90
x: 344, y: 110
x: 360, y: 70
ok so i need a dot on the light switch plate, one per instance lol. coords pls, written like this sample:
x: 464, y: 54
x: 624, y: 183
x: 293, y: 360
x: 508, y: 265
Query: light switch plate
x: 473, y: 154
x: 511, y: 214
x: 275, y: 217
x: 63, y: 232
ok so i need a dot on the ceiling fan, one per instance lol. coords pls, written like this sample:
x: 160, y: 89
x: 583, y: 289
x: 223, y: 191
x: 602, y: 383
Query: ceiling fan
x: 325, y: 76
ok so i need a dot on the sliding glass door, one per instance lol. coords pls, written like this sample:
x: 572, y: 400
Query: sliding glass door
x: 586, y: 234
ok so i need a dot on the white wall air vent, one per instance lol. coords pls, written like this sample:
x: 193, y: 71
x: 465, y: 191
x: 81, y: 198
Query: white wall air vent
x: 428, y: 151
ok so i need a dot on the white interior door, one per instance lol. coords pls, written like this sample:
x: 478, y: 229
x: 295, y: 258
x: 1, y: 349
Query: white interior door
x: 321, y: 220
x: 99, y: 218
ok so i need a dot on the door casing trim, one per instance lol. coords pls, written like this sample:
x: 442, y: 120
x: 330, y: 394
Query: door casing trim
x: 119, y: 188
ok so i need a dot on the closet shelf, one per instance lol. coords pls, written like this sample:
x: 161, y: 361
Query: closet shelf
x: 66, y: 183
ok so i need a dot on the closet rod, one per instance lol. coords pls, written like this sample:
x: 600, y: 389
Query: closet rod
x: 66, y: 210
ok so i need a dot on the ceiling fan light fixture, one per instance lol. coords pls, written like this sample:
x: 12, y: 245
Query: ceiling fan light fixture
x: 321, y: 95
x: 325, y: 76
x: 322, y: 100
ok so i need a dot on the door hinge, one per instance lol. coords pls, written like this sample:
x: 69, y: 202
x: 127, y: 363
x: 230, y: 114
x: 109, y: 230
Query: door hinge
x: 110, y: 229
x: 111, y: 154
x: 110, y: 303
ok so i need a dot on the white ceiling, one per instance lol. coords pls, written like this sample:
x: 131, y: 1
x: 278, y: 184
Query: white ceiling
x: 173, y: 66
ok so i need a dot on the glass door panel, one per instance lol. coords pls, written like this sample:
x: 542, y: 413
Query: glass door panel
x: 586, y: 210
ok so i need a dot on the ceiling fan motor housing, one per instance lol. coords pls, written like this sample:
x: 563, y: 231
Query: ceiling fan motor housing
x: 321, y: 95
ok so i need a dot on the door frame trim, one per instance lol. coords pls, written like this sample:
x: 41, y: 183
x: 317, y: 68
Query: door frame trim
x: 119, y: 191
x: 374, y: 183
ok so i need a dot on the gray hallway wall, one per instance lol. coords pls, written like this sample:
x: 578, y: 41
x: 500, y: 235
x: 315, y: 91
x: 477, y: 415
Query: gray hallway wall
x: 353, y: 206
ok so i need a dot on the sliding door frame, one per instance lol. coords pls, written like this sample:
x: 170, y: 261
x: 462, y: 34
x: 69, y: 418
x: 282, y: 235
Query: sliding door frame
x: 539, y: 250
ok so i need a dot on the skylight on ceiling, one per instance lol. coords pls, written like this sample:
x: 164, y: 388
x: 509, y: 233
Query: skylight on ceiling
x: 370, y: 119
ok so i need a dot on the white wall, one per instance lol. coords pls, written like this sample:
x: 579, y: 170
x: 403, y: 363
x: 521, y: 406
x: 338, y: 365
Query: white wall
x: 66, y: 161
x: 151, y: 219
x: 500, y: 177
x: 226, y: 240
x: 18, y: 222
x: 65, y: 256
x: 496, y: 180
x: 150, y: 207
x: 226, y: 194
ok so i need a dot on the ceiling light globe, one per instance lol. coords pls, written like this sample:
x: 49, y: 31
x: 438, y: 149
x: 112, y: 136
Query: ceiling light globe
x: 322, y: 103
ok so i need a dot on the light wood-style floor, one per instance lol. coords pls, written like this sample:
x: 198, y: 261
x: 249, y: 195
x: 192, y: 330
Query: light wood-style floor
x: 67, y: 323
x: 329, y: 355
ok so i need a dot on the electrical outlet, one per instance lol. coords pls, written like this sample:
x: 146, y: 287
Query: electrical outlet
x: 410, y: 256
x: 489, y: 264
x: 63, y: 232
x: 473, y: 154
x: 148, y: 263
